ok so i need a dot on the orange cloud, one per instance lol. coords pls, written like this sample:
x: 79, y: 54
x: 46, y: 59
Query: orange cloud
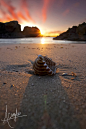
x: 46, y: 4
x: 44, y: 10
x: 21, y: 16
x: 12, y: 14
x: 7, y: 16
x: 66, y: 12
x: 25, y: 8
x: 10, y: 9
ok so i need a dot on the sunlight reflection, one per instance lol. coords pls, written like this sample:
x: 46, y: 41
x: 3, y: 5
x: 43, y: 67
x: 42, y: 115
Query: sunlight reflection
x: 43, y: 41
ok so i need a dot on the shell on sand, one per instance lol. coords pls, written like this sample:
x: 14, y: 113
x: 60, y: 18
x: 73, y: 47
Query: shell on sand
x: 44, y: 66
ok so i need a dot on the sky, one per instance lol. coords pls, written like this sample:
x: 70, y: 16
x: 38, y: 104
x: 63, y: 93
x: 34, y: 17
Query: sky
x: 52, y: 17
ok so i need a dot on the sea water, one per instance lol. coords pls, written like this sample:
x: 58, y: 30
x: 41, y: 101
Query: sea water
x: 38, y: 40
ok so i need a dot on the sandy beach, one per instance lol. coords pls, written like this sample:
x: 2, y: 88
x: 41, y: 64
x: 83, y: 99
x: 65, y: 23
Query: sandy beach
x: 49, y: 102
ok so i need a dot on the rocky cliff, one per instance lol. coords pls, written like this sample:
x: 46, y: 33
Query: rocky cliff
x: 13, y: 30
x: 31, y: 32
x: 76, y: 33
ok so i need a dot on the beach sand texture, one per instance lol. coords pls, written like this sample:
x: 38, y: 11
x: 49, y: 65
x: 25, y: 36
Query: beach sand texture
x: 50, y: 102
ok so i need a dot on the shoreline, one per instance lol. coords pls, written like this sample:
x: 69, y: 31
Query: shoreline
x: 40, y: 44
x: 21, y: 89
x: 43, y: 40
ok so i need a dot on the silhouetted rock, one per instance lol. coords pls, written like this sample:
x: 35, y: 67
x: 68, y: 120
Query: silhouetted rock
x: 31, y: 32
x: 13, y: 30
x: 10, y: 30
x: 76, y: 33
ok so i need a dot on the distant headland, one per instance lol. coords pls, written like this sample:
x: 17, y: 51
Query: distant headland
x: 12, y: 29
x: 76, y: 33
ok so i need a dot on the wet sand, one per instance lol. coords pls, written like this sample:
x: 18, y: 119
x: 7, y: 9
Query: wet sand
x: 50, y: 102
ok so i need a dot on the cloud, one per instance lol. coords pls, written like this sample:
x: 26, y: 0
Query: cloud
x: 60, y: 3
x: 65, y: 12
x: 25, y: 9
x: 11, y: 12
x: 7, y: 16
x: 21, y: 16
x: 76, y: 4
x: 44, y: 10
x: 46, y: 4
x: 10, y: 9
x: 53, y: 32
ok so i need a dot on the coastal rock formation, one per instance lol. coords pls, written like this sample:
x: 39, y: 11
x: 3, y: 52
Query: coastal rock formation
x: 31, y: 32
x: 76, y: 33
x: 10, y: 30
x: 13, y: 30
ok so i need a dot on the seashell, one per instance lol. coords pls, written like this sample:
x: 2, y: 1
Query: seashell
x: 44, y: 66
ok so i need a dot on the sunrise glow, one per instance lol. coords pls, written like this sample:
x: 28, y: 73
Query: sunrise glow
x: 52, y: 17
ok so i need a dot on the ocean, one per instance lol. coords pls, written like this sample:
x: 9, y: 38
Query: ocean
x: 38, y: 40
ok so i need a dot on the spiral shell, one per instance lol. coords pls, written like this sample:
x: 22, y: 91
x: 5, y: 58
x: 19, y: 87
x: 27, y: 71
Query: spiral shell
x: 44, y: 66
